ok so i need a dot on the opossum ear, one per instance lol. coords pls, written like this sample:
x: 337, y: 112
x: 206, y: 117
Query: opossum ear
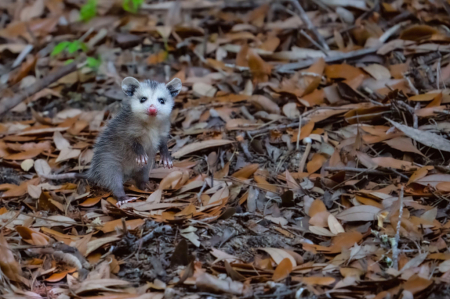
x: 174, y: 87
x: 129, y: 85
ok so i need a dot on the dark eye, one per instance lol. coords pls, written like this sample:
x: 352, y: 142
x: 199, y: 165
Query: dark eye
x: 161, y: 100
x: 143, y: 99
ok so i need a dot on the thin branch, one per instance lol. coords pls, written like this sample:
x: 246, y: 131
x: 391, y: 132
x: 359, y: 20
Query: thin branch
x: 289, y: 67
x: 277, y: 127
x: 9, y: 103
x: 395, y: 250
x: 12, y: 218
x: 352, y: 169
x: 302, y: 32
x: 310, y: 25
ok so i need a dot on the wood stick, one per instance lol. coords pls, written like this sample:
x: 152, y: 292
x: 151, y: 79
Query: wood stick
x: 277, y: 127
x: 289, y: 67
x: 310, y: 25
x: 395, y: 250
x: 9, y: 103
x: 351, y: 169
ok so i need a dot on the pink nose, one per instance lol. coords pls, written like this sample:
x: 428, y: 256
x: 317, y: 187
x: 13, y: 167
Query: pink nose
x: 152, y: 111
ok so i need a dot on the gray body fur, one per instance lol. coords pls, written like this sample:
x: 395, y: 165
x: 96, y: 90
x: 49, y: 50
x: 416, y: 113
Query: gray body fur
x: 114, y: 160
x: 127, y: 147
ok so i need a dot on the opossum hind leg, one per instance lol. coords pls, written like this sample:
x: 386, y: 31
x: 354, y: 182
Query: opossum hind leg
x: 141, y: 175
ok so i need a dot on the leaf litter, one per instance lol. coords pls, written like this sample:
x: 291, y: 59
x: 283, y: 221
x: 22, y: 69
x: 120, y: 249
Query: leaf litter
x: 310, y: 143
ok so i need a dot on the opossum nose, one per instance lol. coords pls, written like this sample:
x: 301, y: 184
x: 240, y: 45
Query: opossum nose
x: 152, y: 111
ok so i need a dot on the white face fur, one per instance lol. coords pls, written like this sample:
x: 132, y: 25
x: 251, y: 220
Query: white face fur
x: 150, y: 99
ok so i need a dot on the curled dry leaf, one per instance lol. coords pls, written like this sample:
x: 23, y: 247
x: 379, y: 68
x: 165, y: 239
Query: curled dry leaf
x: 278, y: 255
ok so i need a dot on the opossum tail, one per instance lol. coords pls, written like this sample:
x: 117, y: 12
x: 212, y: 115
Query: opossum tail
x: 64, y: 176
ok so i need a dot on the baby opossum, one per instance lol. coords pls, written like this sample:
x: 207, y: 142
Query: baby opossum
x: 127, y: 147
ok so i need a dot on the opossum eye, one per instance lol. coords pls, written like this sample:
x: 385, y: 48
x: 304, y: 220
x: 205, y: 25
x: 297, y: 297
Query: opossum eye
x: 161, y: 100
x: 143, y: 99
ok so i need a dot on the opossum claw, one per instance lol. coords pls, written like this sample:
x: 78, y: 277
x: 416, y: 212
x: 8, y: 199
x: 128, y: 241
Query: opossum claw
x: 142, y: 160
x: 166, y: 162
x: 124, y: 200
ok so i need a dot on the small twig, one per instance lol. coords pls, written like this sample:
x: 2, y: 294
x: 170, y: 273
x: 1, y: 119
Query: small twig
x: 277, y: 127
x: 9, y: 103
x: 289, y: 67
x: 299, y: 132
x: 352, y: 169
x: 124, y: 226
x: 438, y: 71
x: 200, y: 193
x: 12, y: 218
x: 310, y: 25
x: 305, y: 155
x: 302, y: 32
x: 398, y: 173
x: 411, y: 85
x: 395, y: 250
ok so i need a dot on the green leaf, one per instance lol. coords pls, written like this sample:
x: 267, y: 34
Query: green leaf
x: 68, y: 61
x: 93, y: 63
x: 73, y: 47
x: 89, y: 10
x: 132, y: 5
x: 59, y: 48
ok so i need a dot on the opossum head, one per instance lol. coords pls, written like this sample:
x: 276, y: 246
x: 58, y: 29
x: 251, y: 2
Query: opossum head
x: 150, y: 99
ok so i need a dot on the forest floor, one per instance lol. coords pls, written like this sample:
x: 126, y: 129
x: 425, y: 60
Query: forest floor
x: 310, y: 144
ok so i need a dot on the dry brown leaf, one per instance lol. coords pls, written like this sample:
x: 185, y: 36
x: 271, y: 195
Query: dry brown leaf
x: 32, y: 237
x: 29, y: 154
x: 403, y: 144
x: 316, y: 280
x: 334, y: 225
x: 283, y: 270
x: 317, y: 207
x: 377, y: 71
x: 427, y: 138
x: 264, y: 103
x: 112, y: 225
x: 278, y: 255
x: 316, y: 163
x: 197, y: 146
x: 246, y: 171
x: 8, y: 264
x: 337, y: 71
x: 321, y: 231
x: 417, y: 32
x: 359, y: 213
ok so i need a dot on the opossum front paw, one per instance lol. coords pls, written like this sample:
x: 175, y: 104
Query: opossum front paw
x: 166, y: 161
x: 142, y: 160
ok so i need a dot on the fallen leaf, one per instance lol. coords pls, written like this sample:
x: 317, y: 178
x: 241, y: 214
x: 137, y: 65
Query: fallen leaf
x: 426, y: 138
x: 278, y: 255
x: 197, y: 146
x: 283, y: 270
x: 359, y: 213
x: 27, y: 164
x: 334, y: 225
